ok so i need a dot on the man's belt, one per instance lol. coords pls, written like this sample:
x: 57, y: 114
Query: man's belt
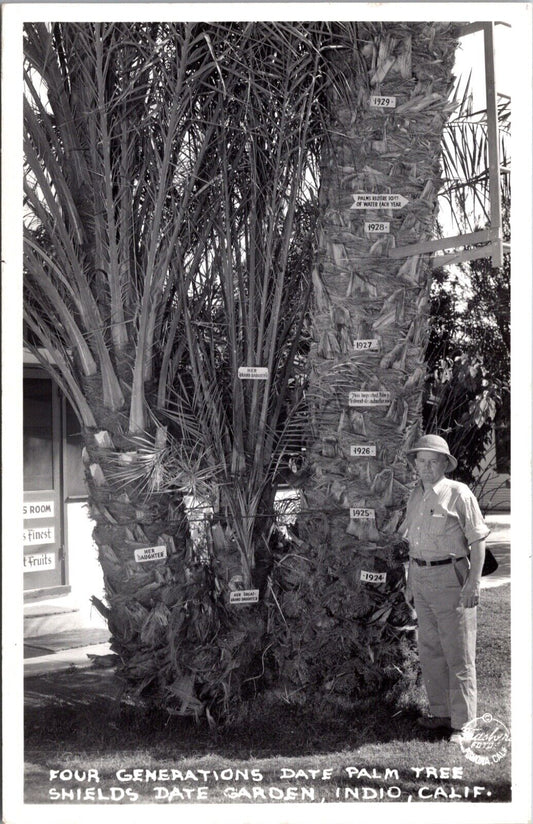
x: 420, y: 562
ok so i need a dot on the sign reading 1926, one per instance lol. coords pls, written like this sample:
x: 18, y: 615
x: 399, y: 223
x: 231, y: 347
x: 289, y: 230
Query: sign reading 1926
x: 381, y: 101
x: 379, y: 398
x: 363, y: 450
x: 361, y: 513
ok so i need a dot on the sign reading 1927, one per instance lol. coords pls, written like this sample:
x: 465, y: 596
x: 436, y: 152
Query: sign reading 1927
x: 379, y: 398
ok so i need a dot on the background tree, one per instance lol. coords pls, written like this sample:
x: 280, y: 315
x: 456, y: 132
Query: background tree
x: 467, y: 393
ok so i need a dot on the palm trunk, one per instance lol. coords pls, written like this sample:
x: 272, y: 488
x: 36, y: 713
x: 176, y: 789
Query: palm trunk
x: 343, y: 632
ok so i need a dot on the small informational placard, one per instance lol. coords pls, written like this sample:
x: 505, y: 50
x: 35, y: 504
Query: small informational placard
x: 363, y: 450
x: 150, y: 553
x: 38, y: 509
x: 44, y: 560
x: 358, y: 513
x: 379, y: 398
x: 244, y: 596
x: 253, y: 373
x: 377, y: 226
x: 370, y: 200
x: 366, y: 344
x: 373, y: 577
x: 39, y: 535
x: 381, y: 101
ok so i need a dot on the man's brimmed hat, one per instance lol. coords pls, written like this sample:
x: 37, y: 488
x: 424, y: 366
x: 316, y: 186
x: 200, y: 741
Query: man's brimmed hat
x: 432, y: 443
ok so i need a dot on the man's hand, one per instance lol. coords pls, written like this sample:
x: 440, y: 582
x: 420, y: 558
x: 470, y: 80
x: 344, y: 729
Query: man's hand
x: 470, y: 593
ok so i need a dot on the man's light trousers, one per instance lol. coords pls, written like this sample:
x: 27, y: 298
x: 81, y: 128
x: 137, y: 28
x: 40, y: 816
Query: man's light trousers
x: 446, y: 641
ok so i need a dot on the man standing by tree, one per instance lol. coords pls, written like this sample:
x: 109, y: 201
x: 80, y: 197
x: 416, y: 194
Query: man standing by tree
x: 446, y: 534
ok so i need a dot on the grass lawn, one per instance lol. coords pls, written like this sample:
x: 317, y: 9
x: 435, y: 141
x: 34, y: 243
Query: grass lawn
x: 279, y: 755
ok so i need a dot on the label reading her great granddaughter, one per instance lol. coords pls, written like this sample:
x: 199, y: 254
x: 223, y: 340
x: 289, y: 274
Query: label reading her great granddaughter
x: 379, y: 398
x: 375, y: 226
x: 381, y: 101
x: 363, y: 450
x: 244, y: 596
x: 370, y: 200
x: 373, y: 577
x: 254, y: 373
x: 358, y: 513
x: 150, y: 553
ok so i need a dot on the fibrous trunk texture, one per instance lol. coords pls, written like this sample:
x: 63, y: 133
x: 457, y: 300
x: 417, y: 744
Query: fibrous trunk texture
x: 343, y: 612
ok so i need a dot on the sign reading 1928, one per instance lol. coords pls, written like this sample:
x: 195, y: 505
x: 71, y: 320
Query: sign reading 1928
x: 361, y: 513
x: 370, y: 200
x: 377, y: 226
x: 379, y: 398
x: 363, y: 450
x: 381, y: 101
x: 254, y: 373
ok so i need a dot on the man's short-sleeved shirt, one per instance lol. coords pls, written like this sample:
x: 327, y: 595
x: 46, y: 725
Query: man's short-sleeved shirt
x: 443, y: 520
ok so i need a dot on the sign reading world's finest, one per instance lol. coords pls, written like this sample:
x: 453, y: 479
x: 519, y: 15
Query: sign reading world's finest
x: 379, y: 398
x: 254, y: 373
x: 387, y: 200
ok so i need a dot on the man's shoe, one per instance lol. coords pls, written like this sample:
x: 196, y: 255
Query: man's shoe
x: 461, y: 737
x: 434, y: 722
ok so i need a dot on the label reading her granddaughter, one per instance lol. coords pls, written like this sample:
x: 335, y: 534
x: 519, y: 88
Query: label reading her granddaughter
x: 150, y: 553
x: 366, y: 344
x: 379, y: 398
x: 253, y: 373
x: 358, y: 513
x: 363, y: 450
x: 369, y: 200
x: 375, y: 226
x: 380, y: 101
x: 244, y: 596
x: 373, y: 577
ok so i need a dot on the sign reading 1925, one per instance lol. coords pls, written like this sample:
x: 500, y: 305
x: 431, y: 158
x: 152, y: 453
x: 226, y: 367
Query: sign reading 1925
x: 361, y: 513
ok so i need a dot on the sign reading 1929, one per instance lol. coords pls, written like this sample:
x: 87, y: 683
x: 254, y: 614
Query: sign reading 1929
x: 381, y: 101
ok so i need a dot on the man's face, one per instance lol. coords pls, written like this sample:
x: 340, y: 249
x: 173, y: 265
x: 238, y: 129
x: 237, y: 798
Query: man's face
x: 431, y: 466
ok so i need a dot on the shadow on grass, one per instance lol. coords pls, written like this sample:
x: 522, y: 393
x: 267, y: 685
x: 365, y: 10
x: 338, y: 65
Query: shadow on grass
x: 80, y: 710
